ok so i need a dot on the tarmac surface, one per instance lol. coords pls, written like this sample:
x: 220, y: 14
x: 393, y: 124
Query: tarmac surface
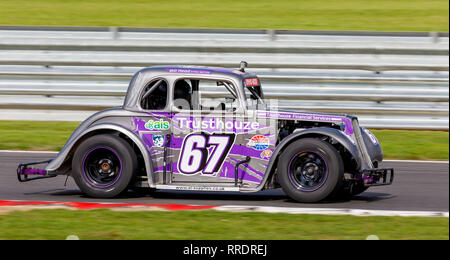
x: 418, y: 186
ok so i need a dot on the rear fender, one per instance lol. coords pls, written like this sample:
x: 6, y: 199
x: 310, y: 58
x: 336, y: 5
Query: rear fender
x: 73, y: 142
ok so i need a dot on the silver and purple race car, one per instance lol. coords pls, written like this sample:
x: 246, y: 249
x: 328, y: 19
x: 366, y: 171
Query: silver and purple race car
x: 211, y: 129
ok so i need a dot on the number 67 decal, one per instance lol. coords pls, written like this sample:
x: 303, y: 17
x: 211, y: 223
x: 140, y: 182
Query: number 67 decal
x: 204, y: 152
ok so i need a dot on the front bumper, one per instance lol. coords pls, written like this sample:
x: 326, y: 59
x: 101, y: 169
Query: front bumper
x: 24, y: 172
x: 377, y: 177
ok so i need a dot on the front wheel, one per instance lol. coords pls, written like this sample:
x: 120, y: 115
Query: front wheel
x: 104, y: 166
x: 310, y: 170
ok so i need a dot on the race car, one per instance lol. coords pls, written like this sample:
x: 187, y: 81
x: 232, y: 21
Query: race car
x: 211, y: 129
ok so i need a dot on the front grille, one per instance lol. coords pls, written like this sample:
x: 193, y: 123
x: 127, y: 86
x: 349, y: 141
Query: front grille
x: 361, y: 143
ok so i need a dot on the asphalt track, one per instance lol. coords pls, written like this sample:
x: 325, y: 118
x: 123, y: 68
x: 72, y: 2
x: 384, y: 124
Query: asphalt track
x: 418, y: 186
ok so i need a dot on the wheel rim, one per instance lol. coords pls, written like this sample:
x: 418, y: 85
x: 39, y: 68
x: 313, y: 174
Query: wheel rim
x: 102, y: 167
x: 308, y: 171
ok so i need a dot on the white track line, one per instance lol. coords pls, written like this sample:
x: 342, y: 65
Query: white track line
x: 269, y: 209
x: 18, y: 151
x: 415, y: 161
x: 331, y: 211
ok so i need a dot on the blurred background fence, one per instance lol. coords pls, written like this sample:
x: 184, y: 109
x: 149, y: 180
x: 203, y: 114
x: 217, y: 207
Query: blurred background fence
x: 388, y: 79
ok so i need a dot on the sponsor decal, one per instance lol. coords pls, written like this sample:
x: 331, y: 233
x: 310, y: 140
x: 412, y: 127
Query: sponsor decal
x: 203, y: 152
x: 157, y: 125
x: 253, y: 82
x: 158, y: 140
x: 266, y: 154
x: 259, y: 142
x: 311, y: 117
x: 214, y: 124
x: 205, y: 188
x: 191, y: 71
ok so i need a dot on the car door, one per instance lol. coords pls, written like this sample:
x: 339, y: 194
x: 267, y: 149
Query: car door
x: 154, y: 126
x: 206, y: 139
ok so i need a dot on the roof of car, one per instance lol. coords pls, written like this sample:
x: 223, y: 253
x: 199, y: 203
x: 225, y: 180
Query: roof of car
x: 198, y: 70
x: 142, y: 77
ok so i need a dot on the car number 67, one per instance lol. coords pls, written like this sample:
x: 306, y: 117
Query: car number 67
x: 203, y: 152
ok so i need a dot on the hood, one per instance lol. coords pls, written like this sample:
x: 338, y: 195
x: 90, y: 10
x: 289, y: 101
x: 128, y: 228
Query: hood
x: 310, y: 116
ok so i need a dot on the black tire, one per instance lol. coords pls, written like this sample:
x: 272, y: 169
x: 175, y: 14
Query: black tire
x: 104, y: 166
x: 310, y: 170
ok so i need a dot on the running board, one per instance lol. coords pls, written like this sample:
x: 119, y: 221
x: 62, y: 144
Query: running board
x: 196, y: 188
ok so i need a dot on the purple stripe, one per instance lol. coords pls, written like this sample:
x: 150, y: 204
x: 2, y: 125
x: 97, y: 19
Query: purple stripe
x: 33, y: 172
x: 249, y: 167
x: 245, y: 150
x: 226, y: 172
x: 243, y: 175
x: 222, y: 70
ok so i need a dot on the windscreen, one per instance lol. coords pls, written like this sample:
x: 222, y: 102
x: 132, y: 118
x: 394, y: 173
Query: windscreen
x: 253, y: 92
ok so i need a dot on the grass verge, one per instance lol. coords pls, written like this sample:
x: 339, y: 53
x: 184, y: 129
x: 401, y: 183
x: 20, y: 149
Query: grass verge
x: 192, y: 225
x: 35, y: 136
x: 413, y: 145
x: 51, y: 136
x: 379, y: 15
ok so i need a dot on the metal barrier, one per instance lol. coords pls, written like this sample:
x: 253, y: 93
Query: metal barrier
x: 390, y: 80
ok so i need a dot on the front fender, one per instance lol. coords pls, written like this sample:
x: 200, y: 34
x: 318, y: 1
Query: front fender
x: 56, y: 163
x: 373, y: 145
x: 339, y: 136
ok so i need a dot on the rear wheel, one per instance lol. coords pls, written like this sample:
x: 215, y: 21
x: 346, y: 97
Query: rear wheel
x: 104, y: 166
x: 310, y: 170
